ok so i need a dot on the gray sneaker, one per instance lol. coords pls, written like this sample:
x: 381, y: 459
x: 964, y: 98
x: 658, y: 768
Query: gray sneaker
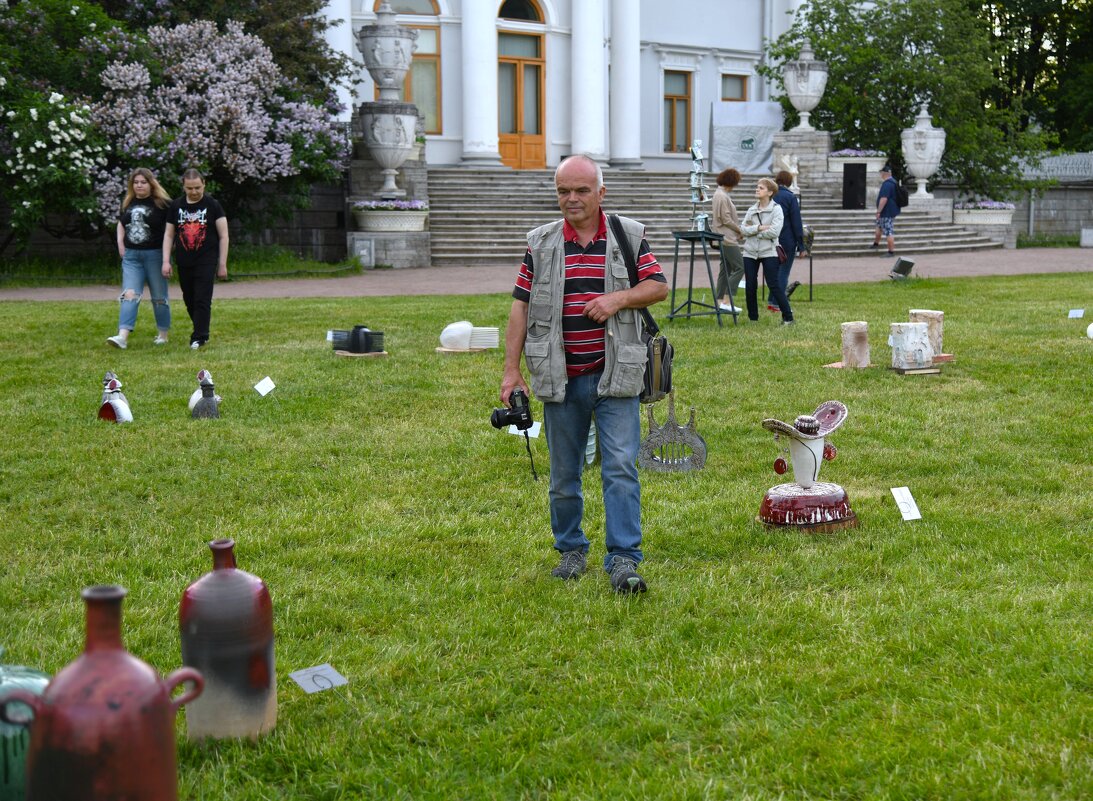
x: 572, y: 565
x: 624, y: 575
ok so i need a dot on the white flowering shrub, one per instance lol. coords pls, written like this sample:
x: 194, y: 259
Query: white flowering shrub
x: 216, y: 101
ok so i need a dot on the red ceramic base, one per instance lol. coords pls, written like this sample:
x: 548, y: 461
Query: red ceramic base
x: 823, y: 507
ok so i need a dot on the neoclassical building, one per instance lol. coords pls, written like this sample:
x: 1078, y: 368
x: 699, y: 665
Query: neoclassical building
x: 522, y: 83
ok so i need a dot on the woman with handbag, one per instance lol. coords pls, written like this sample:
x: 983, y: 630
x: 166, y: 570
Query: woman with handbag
x: 761, y: 226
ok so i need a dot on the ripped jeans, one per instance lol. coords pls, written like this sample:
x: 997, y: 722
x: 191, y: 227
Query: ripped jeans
x: 138, y: 267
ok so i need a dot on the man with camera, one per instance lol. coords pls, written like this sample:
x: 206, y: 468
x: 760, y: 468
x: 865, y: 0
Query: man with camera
x: 574, y: 318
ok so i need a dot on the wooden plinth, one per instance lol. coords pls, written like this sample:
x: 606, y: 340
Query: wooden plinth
x: 373, y: 354
x: 916, y: 370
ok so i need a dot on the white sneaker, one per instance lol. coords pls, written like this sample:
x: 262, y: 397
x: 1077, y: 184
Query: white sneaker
x: 159, y: 341
x: 725, y: 307
x: 195, y: 345
x: 118, y: 342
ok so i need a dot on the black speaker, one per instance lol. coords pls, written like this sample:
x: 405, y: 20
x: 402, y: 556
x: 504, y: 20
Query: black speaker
x: 854, y: 186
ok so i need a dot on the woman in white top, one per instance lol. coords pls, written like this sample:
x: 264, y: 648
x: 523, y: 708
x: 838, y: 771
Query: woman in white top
x: 761, y: 226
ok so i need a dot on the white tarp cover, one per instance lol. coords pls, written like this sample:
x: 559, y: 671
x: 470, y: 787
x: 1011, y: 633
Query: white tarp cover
x: 742, y: 135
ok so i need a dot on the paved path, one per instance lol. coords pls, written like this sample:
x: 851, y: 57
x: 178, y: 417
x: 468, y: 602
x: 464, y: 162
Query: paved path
x: 482, y: 280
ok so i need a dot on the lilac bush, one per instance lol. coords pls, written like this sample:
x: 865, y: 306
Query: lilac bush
x: 216, y: 101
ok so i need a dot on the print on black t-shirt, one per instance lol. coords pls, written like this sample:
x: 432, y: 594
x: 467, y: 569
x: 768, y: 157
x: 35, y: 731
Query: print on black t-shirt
x: 191, y: 229
x: 139, y: 231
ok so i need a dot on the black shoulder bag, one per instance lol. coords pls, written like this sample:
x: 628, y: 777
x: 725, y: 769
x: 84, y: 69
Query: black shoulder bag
x: 658, y: 367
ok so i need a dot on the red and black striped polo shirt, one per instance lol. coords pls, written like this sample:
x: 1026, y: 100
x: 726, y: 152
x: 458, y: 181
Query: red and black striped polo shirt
x: 583, y: 338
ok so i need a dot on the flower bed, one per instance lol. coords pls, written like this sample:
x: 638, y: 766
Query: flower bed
x: 982, y: 212
x: 391, y: 215
x: 873, y: 159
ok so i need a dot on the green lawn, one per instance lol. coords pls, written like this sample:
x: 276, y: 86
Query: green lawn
x: 405, y: 543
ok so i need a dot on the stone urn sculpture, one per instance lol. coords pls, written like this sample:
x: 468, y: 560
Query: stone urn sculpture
x: 805, y: 79
x: 808, y: 503
x: 388, y: 124
x: 923, y: 146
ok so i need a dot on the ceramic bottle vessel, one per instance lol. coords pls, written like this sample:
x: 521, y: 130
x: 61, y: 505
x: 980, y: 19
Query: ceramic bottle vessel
x: 103, y: 730
x: 226, y: 624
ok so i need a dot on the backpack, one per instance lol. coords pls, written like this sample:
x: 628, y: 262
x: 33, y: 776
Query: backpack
x: 902, y: 198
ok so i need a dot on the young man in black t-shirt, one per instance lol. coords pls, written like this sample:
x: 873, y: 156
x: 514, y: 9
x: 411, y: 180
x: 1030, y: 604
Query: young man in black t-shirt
x: 196, y: 223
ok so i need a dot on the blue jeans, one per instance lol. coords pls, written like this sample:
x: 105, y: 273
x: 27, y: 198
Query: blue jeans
x: 770, y: 275
x: 785, y: 267
x: 618, y: 428
x: 138, y: 267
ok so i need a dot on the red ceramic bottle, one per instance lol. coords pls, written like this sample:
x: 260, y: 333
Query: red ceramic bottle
x: 104, y: 728
x: 226, y: 623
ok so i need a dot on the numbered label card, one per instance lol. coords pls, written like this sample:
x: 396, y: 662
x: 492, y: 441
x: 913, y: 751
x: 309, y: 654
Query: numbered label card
x: 907, y: 506
x: 533, y: 432
x: 1076, y: 314
x: 265, y: 386
x: 321, y: 677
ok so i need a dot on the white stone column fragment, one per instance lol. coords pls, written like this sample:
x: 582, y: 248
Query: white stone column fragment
x: 855, y: 344
x: 480, y: 109
x: 625, y: 86
x: 935, y: 322
x: 589, y: 87
x: 341, y: 40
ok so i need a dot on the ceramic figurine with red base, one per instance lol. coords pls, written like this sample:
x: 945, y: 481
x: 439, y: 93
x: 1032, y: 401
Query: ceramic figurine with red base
x: 114, y: 406
x: 807, y: 503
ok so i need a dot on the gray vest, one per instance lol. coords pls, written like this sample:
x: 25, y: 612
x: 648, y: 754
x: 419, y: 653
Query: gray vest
x: 626, y: 353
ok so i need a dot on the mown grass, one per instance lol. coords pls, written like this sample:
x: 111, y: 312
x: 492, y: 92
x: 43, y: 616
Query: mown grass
x: 405, y: 543
x: 1048, y: 240
x: 245, y: 262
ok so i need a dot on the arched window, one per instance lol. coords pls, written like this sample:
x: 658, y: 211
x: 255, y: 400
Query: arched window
x: 427, y: 7
x: 526, y: 10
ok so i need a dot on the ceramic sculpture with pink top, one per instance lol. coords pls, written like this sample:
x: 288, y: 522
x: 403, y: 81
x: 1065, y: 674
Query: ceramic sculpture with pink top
x: 807, y: 503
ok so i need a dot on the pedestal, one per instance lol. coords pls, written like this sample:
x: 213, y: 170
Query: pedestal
x: 823, y: 507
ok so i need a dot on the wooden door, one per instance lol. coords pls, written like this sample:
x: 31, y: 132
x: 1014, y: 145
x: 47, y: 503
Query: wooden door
x: 520, y: 79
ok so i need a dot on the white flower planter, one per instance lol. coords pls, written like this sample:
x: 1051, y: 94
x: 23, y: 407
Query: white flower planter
x: 385, y: 220
x: 982, y: 216
x: 872, y: 163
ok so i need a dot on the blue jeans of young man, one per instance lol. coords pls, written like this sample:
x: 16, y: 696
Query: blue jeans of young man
x: 137, y: 268
x: 770, y: 275
x: 618, y: 429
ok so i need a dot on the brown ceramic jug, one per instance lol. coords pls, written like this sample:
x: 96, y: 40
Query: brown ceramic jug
x: 104, y: 728
x: 226, y: 623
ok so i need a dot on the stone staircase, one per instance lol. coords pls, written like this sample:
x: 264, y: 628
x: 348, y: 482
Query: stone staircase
x: 481, y: 217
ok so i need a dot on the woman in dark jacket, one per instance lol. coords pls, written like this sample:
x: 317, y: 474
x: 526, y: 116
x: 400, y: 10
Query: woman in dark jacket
x: 792, y: 238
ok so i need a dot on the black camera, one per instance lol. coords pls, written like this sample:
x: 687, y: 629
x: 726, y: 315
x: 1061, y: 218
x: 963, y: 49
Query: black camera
x: 519, y: 413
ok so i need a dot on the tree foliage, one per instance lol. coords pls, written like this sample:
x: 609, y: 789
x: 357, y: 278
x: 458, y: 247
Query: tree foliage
x: 888, y: 58
x: 293, y: 30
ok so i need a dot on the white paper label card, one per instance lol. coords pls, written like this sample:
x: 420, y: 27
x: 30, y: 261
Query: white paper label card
x: 320, y: 677
x: 907, y: 506
x: 329, y: 336
x: 533, y: 432
x: 265, y: 386
x: 1076, y: 314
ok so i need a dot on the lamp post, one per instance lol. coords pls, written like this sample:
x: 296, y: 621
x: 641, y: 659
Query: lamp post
x: 923, y: 146
x: 805, y: 80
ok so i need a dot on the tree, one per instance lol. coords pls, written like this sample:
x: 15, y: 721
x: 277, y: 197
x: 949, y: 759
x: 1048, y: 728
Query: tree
x: 887, y: 58
x: 215, y: 101
x: 293, y: 30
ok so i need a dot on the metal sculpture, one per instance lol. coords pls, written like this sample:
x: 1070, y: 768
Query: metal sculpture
x: 672, y: 447
x: 114, y: 405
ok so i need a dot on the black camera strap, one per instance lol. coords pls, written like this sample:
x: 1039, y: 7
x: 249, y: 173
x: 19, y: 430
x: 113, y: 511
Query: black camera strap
x: 527, y: 444
x: 631, y: 267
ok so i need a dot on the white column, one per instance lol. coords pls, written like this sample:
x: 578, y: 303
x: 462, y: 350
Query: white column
x: 341, y: 40
x: 588, y: 93
x: 625, y: 87
x: 479, y: 40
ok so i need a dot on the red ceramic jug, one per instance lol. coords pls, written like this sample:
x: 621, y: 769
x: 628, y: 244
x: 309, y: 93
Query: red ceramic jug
x: 104, y: 730
x: 226, y: 623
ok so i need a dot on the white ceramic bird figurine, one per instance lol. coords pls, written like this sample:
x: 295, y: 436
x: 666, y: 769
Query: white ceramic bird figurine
x: 114, y: 406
